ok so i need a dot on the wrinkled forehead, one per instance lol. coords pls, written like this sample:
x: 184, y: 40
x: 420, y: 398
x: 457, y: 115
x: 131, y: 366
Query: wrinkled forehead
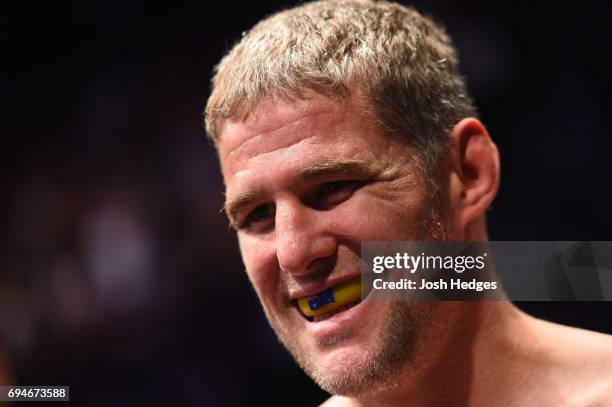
x: 277, y: 124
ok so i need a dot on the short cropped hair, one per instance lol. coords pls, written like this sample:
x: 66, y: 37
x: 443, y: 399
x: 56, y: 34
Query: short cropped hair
x: 404, y: 63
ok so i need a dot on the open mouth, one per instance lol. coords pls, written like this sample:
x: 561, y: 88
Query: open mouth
x: 331, y: 301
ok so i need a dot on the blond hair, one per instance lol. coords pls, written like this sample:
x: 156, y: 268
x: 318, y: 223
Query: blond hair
x: 404, y: 63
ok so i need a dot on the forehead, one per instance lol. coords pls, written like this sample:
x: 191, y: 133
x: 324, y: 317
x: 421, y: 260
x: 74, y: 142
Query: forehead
x: 278, y: 127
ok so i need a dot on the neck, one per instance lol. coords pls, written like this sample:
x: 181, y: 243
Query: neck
x: 467, y: 366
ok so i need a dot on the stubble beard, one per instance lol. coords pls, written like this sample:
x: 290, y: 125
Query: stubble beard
x: 393, y: 354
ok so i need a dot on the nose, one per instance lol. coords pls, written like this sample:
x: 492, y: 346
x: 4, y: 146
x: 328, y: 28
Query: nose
x: 302, y: 238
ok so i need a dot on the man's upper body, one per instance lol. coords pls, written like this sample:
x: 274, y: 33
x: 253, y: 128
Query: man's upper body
x: 340, y: 122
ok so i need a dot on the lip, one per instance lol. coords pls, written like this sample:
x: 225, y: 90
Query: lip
x: 308, y: 290
x: 353, y: 317
x: 341, y: 321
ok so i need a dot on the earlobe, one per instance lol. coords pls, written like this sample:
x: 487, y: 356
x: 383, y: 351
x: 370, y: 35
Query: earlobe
x: 475, y: 172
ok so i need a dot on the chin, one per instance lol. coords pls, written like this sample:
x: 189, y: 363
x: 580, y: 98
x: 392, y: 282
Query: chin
x: 366, y: 360
x: 353, y: 376
x: 349, y: 368
x: 342, y: 357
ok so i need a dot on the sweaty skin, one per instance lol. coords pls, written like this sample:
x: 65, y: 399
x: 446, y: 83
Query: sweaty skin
x: 307, y: 181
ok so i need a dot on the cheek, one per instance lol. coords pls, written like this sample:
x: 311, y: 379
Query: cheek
x: 366, y: 219
x: 260, y: 263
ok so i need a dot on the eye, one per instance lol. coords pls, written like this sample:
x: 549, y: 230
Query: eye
x: 260, y: 218
x: 333, y: 193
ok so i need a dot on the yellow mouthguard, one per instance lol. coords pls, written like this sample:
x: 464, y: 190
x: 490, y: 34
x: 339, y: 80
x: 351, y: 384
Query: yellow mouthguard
x: 331, y: 299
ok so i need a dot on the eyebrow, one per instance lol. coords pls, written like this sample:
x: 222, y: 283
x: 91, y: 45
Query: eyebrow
x: 233, y: 207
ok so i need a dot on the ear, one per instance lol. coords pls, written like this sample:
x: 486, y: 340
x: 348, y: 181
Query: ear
x: 474, y: 177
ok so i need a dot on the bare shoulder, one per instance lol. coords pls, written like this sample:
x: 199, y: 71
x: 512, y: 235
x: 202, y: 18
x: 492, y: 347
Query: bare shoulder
x: 337, y: 401
x: 584, y: 362
x: 577, y: 343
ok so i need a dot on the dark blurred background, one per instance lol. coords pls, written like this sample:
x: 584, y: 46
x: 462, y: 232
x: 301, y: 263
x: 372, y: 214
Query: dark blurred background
x: 118, y: 275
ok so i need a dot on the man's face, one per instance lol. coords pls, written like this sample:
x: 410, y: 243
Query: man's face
x: 306, y: 182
